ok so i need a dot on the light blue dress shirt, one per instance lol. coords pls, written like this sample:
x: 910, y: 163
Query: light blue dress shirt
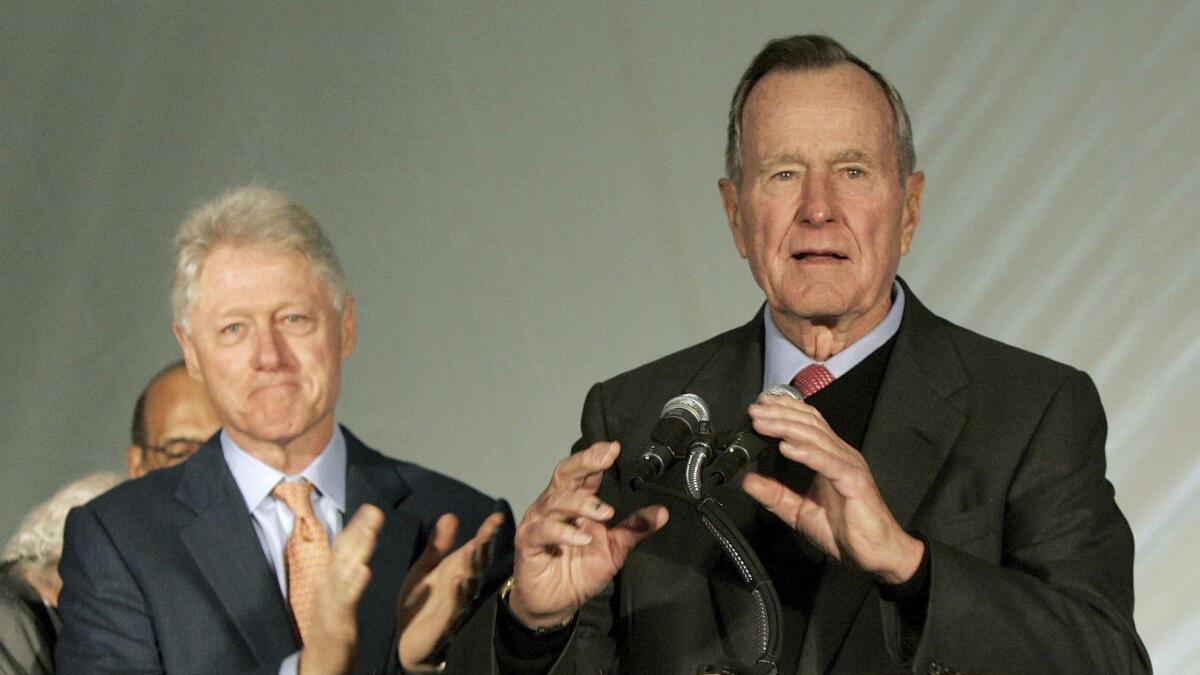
x: 782, y: 359
x: 271, y: 517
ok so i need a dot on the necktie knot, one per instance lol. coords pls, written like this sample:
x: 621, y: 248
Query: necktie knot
x: 812, y: 378
x: 295, y: 494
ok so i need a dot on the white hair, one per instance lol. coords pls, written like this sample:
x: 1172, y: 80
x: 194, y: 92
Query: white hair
x: 37, y: 544
x: 249, y: 216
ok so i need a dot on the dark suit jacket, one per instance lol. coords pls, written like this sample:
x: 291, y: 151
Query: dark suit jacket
x: 166, y: 574
x: 993, y: 453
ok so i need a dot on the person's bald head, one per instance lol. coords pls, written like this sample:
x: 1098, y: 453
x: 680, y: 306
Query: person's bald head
x: 172, y: 419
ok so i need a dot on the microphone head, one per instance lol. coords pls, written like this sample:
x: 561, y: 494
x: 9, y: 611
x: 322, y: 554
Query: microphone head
x: 785, y: 390
x: 689, y: 403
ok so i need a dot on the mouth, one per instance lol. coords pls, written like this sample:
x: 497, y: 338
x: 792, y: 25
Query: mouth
x: 818, y: 256
x: 274, y: 386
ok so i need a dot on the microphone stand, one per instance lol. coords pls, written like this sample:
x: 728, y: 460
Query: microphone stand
x: 768, y: 610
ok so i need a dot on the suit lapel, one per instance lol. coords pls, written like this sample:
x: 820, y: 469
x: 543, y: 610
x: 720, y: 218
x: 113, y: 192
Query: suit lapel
x: 229, y: 556
x: 373, y: 479
x: 911, y: 432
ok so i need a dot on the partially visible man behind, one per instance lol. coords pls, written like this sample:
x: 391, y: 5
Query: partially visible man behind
x: 937, y: 502
x: 171, y: 420
x: 224, y: 563
x: 29, y: 580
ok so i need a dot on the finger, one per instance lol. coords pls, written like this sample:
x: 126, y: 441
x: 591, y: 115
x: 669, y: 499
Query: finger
x: 572, y: 504
x: 545, y: 534
x: 574, y: 470
x: 637, y: 526
x: 804, y: 434
x: 441, y: 540
x: 489, y: 527
x: 848, y: 475
x: 482, y: 541
x: 774, y: 497
x: 786, y: 409
x: 356, y: 541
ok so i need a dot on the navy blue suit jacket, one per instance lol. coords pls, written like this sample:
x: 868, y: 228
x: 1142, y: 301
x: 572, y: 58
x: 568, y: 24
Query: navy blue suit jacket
x: 166, y: 574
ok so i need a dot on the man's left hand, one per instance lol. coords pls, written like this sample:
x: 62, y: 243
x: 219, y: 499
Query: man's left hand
x: 439, y: 590
x: 843, y: 513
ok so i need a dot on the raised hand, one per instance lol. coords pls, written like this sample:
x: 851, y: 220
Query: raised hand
x: 331, y: 645
x: 439, y: 589
x: 565, y: 553
x: 843, y: 513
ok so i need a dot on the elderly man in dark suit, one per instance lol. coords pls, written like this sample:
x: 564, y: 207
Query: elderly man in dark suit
x: 937, y: 502
x: 224, y: 564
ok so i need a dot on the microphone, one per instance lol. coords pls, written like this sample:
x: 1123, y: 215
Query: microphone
x: 678, y: 424
x: 746, y: 446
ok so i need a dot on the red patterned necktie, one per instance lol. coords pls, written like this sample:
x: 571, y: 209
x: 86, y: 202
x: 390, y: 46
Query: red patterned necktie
x: 811, y: 379
x: 306, y: 554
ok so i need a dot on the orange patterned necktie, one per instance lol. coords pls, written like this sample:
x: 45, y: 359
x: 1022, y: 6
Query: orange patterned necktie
x: 812, y: 378
x: 306, y: 554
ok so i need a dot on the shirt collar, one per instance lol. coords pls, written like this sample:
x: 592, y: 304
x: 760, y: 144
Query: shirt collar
x: 255, y: 480
x: 782, y: 359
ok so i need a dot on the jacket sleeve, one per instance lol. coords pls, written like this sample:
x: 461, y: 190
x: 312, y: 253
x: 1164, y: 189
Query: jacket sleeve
x: 1061, y: 599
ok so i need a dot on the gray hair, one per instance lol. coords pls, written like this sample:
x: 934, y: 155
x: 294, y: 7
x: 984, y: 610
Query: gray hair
x: 811, y: 52
x: 37, y: 543
x: 249, y: 216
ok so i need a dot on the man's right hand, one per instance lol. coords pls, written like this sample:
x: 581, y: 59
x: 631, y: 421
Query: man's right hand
x: 564, y: 552
x: 330, y: 648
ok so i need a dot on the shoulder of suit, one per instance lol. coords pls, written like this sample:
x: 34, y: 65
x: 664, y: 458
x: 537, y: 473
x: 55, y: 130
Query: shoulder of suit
x: 420, y: 480
x: 987, y: 358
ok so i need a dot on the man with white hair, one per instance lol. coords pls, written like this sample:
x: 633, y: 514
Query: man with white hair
x: 936, y: 502
x: 224, y: 563
x: 29, y: 581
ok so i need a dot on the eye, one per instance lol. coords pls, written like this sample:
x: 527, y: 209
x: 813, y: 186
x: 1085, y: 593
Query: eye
x: 295, y: 322
x: 232, y: 329
x: 855, y: 172
x: 785, y: 175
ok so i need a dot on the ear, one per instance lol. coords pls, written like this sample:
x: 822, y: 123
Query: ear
x: 349, y: 326
x: 729, y: 198
x: 189, y: 352
x: 914, y: 185
x: 135, y: 457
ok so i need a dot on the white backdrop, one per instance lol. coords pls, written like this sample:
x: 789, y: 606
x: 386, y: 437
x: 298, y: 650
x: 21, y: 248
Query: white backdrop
x: 524, y: 196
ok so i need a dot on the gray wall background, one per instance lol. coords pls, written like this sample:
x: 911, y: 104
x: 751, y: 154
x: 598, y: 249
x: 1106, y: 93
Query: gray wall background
x: 524, y: 195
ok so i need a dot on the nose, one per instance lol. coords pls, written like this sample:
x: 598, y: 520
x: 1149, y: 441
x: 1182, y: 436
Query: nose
x: 269, y: 348
x: 817, y: 201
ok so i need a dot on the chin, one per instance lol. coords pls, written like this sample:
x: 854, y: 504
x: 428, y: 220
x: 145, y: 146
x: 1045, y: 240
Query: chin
x: 813, y: 306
